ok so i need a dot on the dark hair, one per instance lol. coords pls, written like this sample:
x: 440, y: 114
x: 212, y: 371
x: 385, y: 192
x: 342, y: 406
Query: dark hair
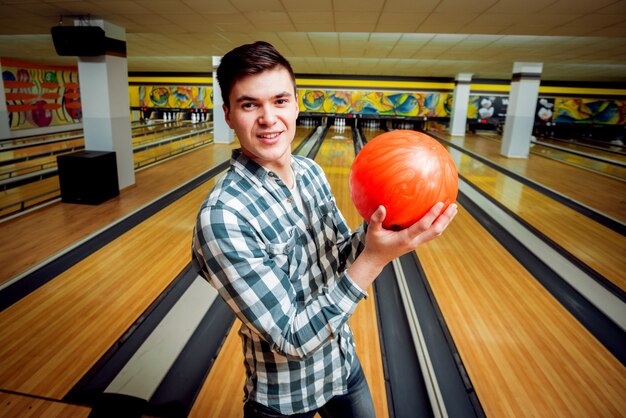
x: 249, y: 59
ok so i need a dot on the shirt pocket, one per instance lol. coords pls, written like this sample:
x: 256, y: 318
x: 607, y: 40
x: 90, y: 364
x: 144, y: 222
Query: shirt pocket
x: 281, y: 251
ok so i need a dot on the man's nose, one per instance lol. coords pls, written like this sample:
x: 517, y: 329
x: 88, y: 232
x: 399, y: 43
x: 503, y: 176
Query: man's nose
x: 268, y: 115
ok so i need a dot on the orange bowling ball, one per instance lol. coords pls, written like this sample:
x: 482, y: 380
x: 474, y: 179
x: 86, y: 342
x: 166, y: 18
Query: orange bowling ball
x: 408, y: 172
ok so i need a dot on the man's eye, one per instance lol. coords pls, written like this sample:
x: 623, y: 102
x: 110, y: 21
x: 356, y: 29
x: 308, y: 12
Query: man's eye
x: 281, y: 101
x: 248, y: 105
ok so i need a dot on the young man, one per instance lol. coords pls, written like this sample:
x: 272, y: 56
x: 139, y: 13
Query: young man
x: 270, y: 239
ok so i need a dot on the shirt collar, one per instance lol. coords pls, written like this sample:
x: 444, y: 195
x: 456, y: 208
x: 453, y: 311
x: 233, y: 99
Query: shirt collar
x: 256, y: 171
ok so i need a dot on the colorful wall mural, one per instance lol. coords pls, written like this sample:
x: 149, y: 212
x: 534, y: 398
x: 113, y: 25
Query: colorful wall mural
x: 571, y: 110
x: 179, y: 97
x: 39, y: 96
x: 375, y: 103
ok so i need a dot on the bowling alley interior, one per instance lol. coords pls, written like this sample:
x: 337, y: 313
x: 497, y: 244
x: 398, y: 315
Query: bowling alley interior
x: 113, y: 133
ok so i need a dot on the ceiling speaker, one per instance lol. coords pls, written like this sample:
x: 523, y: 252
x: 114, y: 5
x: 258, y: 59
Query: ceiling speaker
x: 82, y: 41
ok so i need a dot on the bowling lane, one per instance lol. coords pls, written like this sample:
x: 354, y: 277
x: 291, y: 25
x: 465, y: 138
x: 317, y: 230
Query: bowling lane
x: 15, y: 198
x: 596, y: 245
x: 36, y: 139
x: 29, y: 195
x: 137, y: 129
x: 24, y: 406
x: 336, y: 156
x: 168, y: 149
x: 222, y: 394
x: 596, y: 191
x: 26, y: 167
x: 605, y: 167
x: 47, y: 231
x: 41, y: 149
x: 522, y: 350
x: 93, y: 304
x: 302, y: 132
x: 42, y: 155
x: 601, y: 164
x: 605, y: 153
x: 530, y: 355
x: 174, y: 129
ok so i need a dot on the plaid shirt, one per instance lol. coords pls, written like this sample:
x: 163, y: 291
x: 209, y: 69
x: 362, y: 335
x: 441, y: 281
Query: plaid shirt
x: 284, y: 275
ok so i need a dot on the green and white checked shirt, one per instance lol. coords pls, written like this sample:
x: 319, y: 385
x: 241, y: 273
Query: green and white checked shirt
x: 284, y: 275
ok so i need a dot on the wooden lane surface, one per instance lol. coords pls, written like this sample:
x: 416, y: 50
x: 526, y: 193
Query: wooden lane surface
x: 30, y: 195
x: 577, y: 147
x: 14, y: 406
x: 140, y: 136
x: 336, y: 156
x: 53, y: 336
x: 175, y: 129
x: 41, y: 149
x: 38, y: 138
x: 63, y: 224
x: 580, y: 161
x: 571, y: 155
x: 599, y: 247
x: 159, y: 152
x: 34, y: 164
x: 31, y: 238
x: 95, y: 302
x: 222, y: 393
x: 525, y: 354
x: 135, y: 126
x: 29, y: 166
x: 33, y: 193
x: 604, y: 194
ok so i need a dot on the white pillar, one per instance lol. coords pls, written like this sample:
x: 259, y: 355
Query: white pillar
x: 105, y: 102
x: 5, y: 128
x: 460, y: 103
x: 222, y: 133
x: 520, y: 115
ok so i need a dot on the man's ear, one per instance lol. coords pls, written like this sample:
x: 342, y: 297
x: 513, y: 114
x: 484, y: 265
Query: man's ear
x: 227, y: 115
x: 297, y: 105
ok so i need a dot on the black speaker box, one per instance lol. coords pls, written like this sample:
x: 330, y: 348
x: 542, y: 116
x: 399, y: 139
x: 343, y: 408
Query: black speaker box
x: 88, y: 177
x: 83, y: 41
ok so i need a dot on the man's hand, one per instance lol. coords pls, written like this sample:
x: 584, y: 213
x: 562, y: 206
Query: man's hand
x: 383, y: 245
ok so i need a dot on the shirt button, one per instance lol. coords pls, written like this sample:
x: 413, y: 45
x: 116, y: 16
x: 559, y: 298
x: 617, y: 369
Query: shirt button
x: 289, y: 200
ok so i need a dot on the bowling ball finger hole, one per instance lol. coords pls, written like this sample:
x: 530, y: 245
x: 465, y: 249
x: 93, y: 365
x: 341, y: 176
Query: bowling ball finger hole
x: 395, y: 227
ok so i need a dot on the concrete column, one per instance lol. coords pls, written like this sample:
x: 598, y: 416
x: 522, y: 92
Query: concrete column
x: 222, y: 133
x: 460, y: 103
x: 105, y: 102
x: 5, y: 127
x: 520, y: 115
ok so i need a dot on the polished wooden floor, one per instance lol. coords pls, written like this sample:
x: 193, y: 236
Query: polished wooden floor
x: 525, y: 354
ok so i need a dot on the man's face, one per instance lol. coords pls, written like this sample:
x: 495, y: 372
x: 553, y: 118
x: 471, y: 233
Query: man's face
x: 263, y: 112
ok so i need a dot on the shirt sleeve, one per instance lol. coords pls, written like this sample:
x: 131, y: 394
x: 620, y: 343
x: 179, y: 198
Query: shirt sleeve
x: 239, y: 265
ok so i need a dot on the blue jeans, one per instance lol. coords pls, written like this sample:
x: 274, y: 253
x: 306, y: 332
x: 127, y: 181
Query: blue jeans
x: 357, y: 403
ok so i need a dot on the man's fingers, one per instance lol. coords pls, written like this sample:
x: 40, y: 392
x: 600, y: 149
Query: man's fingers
x: 377, y: 218
x: 427, y: 220
x: 442, y: 222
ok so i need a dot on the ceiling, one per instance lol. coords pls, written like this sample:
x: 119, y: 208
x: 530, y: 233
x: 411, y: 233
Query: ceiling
x: 576, y: 40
